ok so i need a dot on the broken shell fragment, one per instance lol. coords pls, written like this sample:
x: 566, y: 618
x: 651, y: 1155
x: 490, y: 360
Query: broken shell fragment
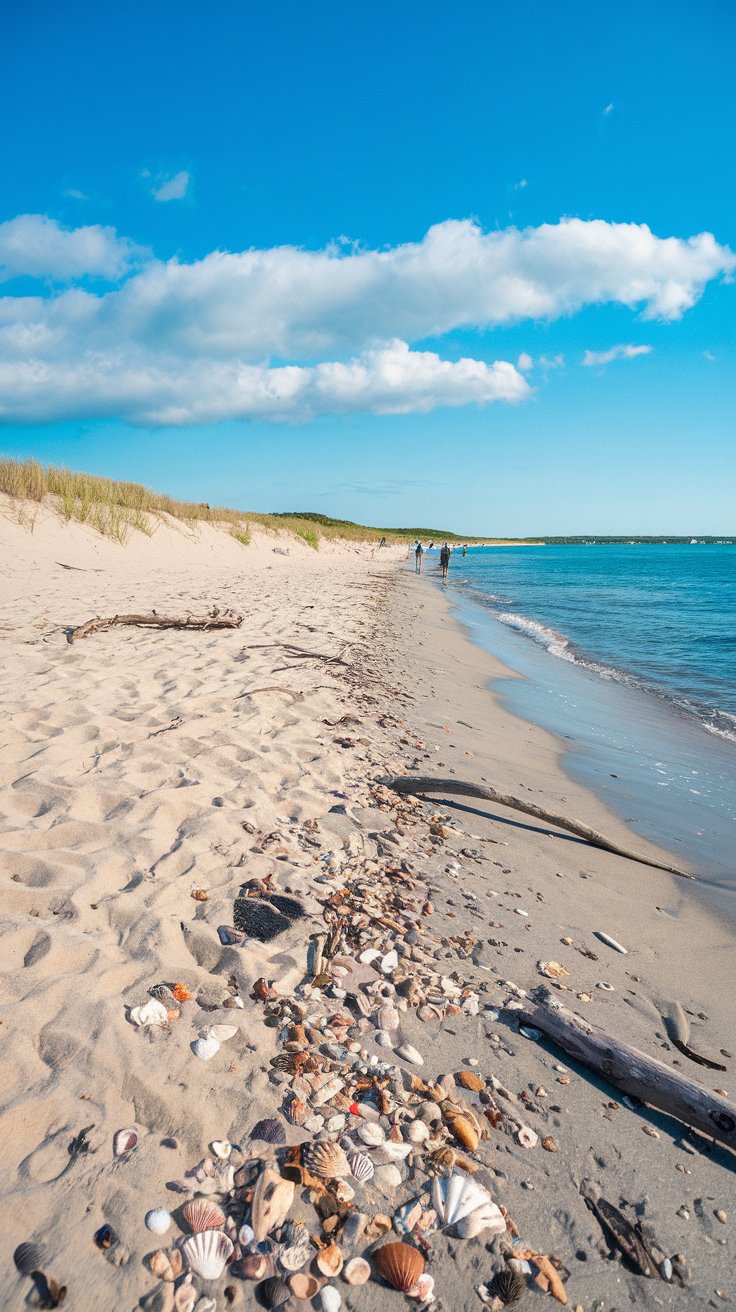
x: 400, y: 1264
x: 410, y: 1054
x: 527, y: 1137
x: 272, y: 1199
x: 124, y: 1141
x: 151, y: 1013
x: 270, y: 1131
x: 486, y: 1217
x: 167, y: 1266
x: 207, y: 1253
x: 330, y: 1260
x: 552, y: 969
x: 371, y: 1133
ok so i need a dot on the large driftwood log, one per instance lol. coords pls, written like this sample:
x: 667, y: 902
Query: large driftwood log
x: 632, y: 1071
x: 424, y: 784
x: 215, y: 620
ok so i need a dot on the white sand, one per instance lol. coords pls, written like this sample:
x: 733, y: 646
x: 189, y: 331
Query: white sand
x: 137, y: 768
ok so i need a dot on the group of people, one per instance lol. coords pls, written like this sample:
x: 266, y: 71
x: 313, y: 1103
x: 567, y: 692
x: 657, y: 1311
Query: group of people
x: 445, y: 553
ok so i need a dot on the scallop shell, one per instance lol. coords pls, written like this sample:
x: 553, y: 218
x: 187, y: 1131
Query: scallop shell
x: 272, y: 1292
x: 272, y: 1199
x: 124, y: 1141
x: 361, y: 1166
x: 303, y: 1285
x: 399, y: 1264
x: 357, y: 1271
x: 207, y: 1253
x: 158, y: 1220
x: 486, y: 1217
x: 201, y: 1214
x: 330, y: 1260
x: 297, y: 1111
x: 270, y: 1131
x: 327, y: 1160
x: 28, y: 1258
x: 457, y: 1196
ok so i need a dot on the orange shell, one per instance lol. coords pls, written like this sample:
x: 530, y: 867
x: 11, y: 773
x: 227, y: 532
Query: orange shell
x: 297, y: 1111
x: 200, y: 894
x: 202, y: 1214
x: 465, y: 1132
x: 181, y: 993
x: 468, y: 1080
x: 399, y: 1264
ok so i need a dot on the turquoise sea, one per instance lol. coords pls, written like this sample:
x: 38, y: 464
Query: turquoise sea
x: 628, y: 653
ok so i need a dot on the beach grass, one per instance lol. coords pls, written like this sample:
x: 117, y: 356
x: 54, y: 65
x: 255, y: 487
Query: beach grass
x: 114, y: 508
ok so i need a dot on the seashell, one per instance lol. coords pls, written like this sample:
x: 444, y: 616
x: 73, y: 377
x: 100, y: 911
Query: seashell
x: 205, y: 1049
x: 457, y: 1196
x: 361, y: 1166
x: 294, y: 1233
x: 221, y: 1148
x: 124, y: 1141
x: 222, y: 1032
x: 199, y: 894
x: 610, y: 942
x: 327, y: 1160
x: 186, y: 1296
x: 202, y: 1214
x: 387, y: 1017
x: 29, y: 1257
x: 256, y: 1266
x: 389, y: 962
x: 272, y: 1199
x: 270, y: 1131
x: 158, y: 1220
x: 423, y: 1291
x: 527, y: 1137
x: 181, y: 993
x: 370, y: 955
x: 297, y: 1111
x: 391, y: 1152
x: 151, y: 1013
x: 330, y: 1260
x: 552, y: 969
x: 469, y: 1080
x: 245, y: 1236
x: 399, y: 1264
x: 371, y: 1133
x: 303, y: 1285
x: 329, y: 1299
x: 486, y: 1217
x: 205, y: 1304
x: 508, y: 1286
x: 294, y: 1256
x: 418, y: 1132
x: 272, y: 1292
x: 167, y: 1266
x: 464, y: 1132
x: 410, y: 1054
x: 207, y: 1253
x: 357, y: 1271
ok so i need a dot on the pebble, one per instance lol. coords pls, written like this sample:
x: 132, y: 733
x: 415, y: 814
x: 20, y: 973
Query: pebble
x: 683, y: 1212
x: 721, y: 1216
x: 388, y: 1176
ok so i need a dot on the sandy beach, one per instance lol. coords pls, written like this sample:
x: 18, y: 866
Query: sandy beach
x: 191, y: 825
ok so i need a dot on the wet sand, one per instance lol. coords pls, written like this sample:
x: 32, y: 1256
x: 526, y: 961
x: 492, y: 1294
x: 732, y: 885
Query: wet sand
x: 140, y: 767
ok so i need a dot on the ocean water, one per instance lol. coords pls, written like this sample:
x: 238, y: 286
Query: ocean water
x: 628, y: 653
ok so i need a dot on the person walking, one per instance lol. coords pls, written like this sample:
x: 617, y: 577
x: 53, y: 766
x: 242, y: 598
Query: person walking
x: 445, y: 560
x: 418, y: 553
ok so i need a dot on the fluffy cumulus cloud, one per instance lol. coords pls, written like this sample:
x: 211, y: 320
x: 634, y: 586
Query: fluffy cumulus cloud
x: 622, y: 352
x: 35, y: 246
x: 286, y: 333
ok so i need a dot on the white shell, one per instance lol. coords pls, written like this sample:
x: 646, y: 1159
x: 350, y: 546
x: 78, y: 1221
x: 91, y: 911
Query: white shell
x: 329, y: 1299
x: 295, y: 1257
x: 152, y: 1012
x: 361, y: 1166
x: 357, y: 1271
x: 527, y: 1137
x: 486, y: 1217
x: 457, y: 1196
x: 246, y: 1235
x: 221, y: 1032
x: 423, y: 1290
x: 610, y: 942
x: 391, y: 1152
x: 221, y: 1148
x: 207, y: 1253
x: 389, y: 962
x: 371, y: 1133
x: 205, y: 1049
x: 418, y: 1132
x: 410, y: 1054
x: 158, y: 1220
x: 370, y: 954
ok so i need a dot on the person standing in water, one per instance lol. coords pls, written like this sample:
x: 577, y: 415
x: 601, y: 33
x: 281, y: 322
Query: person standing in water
x: 418, y: 553
x: 445, y: 560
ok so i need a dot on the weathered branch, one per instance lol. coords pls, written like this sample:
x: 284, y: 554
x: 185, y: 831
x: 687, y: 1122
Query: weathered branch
x: 215, y: 620
x: 632, y: 1071
x: 423, y: 784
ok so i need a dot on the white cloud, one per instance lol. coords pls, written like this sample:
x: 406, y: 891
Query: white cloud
x: 615, y: 353
x: 173, y: 188
x: 37, y: 246
x: 525, y: 362
x: 710, y: 356
x: 551, y: 361
x: 521, y: 184
x: 288, y: 333
x: 608, y: 109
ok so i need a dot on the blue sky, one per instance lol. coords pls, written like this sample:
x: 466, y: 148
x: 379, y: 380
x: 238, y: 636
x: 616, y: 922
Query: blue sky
x: 381, y: 261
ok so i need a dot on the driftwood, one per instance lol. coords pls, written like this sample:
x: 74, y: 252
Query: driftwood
x: 215, y: 620
x: 423, y: 784
x: 632, y: 1071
